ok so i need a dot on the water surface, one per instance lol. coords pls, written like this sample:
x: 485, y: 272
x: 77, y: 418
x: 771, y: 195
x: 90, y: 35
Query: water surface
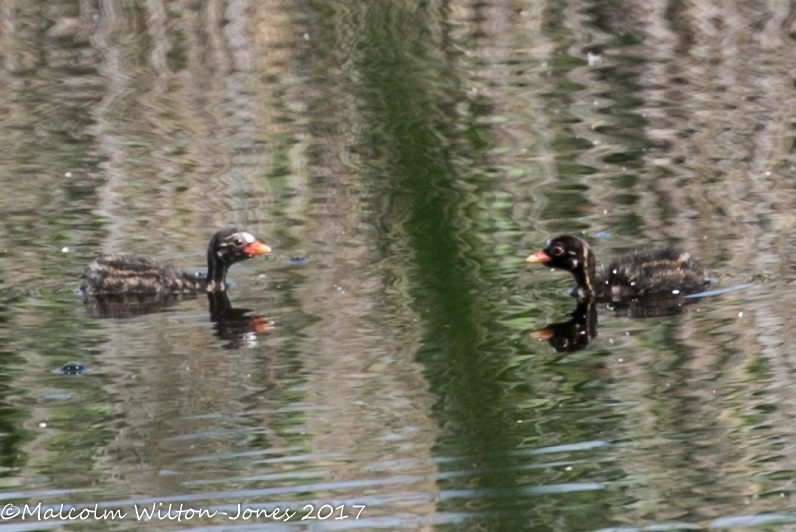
x: 384, y: 363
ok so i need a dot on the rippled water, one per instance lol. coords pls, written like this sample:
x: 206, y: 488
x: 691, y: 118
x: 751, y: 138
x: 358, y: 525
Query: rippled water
x: 395, y: 364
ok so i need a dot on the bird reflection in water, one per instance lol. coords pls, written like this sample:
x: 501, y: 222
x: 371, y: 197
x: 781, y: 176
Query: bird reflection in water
x: 574, y: 334
x: 235, y: 326
x: 581, y: 328
x: 120, y: 306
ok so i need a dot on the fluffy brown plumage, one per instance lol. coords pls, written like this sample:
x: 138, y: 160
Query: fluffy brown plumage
x: 114, y: 274
x: 662, y: 272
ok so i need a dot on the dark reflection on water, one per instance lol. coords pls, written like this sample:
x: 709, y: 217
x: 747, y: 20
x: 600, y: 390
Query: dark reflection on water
x: 423, y: 196
x: 574, y: 334
x: 235, y: 326
x: 120, y: 306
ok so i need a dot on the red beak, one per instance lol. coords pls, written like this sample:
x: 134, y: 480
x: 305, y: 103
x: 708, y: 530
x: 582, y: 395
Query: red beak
x: 538, y: 257
x: 256, y: 248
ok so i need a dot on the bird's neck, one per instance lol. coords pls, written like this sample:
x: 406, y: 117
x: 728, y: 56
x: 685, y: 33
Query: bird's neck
x: 585, y: 275
x: 216, y: 272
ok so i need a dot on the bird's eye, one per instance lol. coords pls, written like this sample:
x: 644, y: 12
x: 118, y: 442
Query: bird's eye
x: 238, y: 242
x: 557, y: 251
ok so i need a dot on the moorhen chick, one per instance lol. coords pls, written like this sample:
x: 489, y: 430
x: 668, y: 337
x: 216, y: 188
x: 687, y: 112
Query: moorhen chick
x: 662, y: 272
x: 111, y: 275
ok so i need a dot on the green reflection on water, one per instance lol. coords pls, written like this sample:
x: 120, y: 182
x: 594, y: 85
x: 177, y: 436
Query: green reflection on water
x: 426, y: 149
x: 432, y: 203
x: 406, y: 94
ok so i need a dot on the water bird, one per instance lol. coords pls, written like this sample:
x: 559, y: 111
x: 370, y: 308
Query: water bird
x: 662, y: 272
x: 113, y: 275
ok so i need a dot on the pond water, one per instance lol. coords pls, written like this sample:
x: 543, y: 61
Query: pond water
x: 394, y: 364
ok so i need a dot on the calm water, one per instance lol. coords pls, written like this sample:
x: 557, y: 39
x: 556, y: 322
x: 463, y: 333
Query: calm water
x: 392, y: 360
